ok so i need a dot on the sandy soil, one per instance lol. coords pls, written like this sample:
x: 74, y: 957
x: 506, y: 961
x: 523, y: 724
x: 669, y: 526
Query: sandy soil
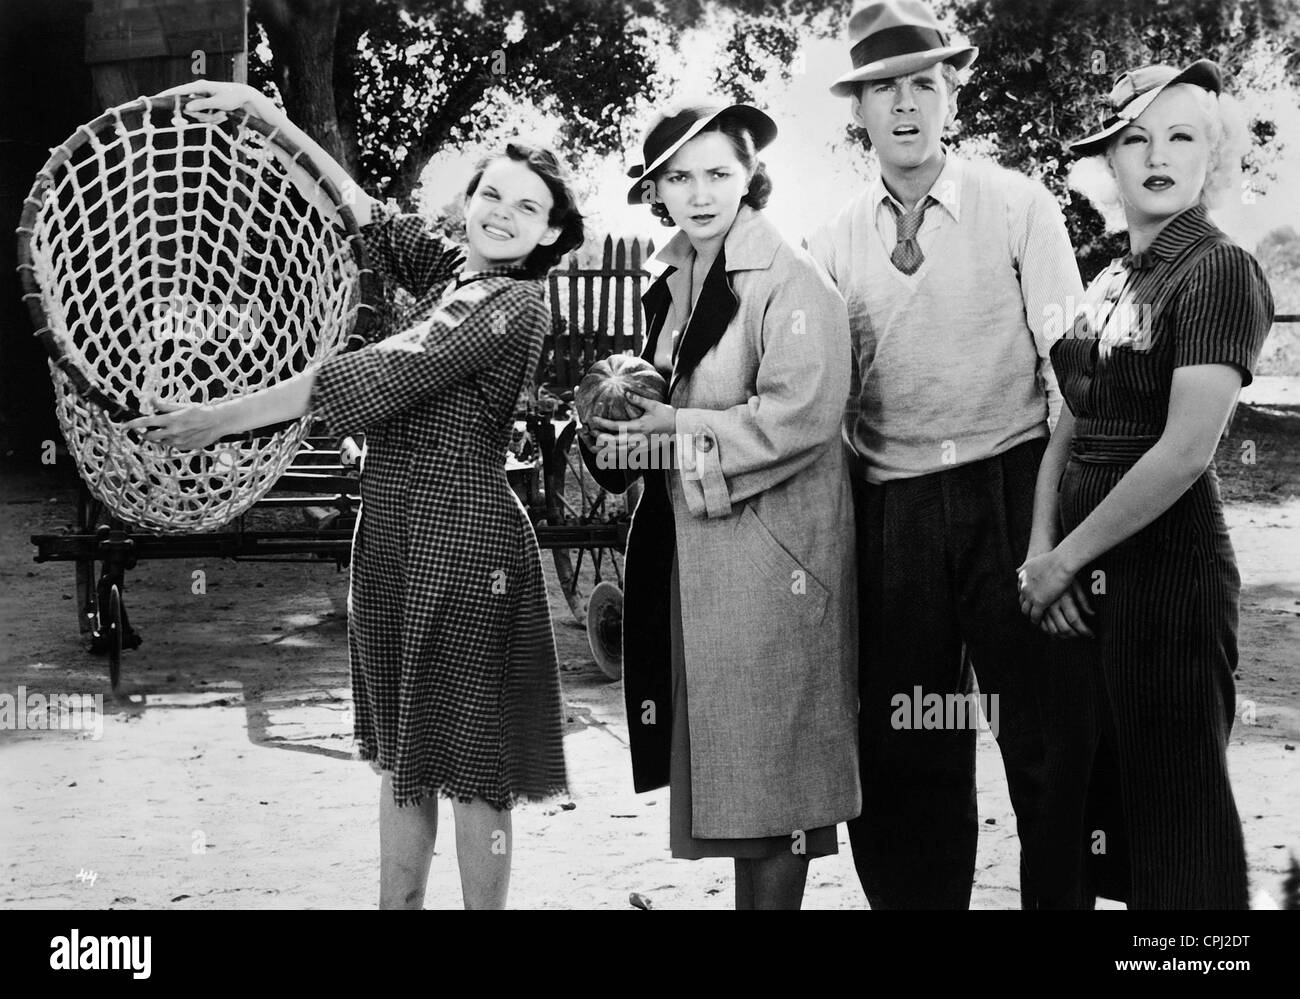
x: 223, y: 775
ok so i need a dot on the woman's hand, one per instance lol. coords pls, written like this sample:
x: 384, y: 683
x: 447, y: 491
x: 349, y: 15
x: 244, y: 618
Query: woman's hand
x: 628, y: 437
x: 349, y: 452
x: 1064, y: 618
x: 185, y: 428
x: 613, y: 447
x: 217, y: 96
x: 1042, y: 581
x: 655, y: 418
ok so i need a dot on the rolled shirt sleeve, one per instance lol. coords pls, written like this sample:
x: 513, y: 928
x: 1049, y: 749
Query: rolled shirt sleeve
x: 822, y: 248
x: 1049, y: 282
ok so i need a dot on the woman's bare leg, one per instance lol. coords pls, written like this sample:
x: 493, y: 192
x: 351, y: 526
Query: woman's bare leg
x: 406, y: 837
x: 483, y: 849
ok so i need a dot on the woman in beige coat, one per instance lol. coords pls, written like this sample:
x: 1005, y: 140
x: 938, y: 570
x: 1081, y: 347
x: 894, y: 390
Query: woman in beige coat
x: 740, y: 625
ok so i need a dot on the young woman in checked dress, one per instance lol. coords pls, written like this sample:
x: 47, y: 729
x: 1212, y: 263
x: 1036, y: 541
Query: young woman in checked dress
x: 454, y: 673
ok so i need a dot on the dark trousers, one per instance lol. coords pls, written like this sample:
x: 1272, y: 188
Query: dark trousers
x: 1153, y: 697
x: 937, y: 559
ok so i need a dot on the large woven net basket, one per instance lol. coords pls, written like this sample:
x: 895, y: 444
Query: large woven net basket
x: 171, y: 257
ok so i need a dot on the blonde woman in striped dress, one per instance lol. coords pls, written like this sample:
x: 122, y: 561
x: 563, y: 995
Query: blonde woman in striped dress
x: 1131, y: 560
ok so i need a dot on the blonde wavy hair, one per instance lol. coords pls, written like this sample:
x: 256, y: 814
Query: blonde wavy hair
x: 1229, y: 141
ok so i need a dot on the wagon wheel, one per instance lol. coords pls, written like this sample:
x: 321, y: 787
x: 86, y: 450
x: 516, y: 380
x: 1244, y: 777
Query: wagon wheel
x: 89, y: 511
x: 605, y: 628
x: 574, y: 498
x: 105, y: 625
x: 113, y: 632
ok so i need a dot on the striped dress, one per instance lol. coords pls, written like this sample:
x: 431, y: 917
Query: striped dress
x: 455, y: 680
x: 1156, y: 692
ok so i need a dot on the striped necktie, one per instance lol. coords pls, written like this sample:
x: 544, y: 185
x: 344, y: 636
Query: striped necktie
x: 907, y: 256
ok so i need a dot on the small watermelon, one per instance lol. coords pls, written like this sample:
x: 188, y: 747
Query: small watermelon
x: 600, y: 393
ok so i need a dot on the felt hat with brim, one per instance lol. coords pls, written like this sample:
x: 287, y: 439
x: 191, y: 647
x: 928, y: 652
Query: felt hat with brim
x: 1134, y: 92
x: 673, y: 128
x: 895, y: 38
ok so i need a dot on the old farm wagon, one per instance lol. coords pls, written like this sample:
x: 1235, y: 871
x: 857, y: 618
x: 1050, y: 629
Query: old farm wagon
x: 307, y: 511
x: 582, y: 526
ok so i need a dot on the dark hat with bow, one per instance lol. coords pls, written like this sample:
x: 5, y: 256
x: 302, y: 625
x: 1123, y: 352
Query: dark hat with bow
x: 673, y: 128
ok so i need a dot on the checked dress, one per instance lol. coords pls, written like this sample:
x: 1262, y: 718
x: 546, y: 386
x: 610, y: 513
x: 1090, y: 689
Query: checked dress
x: 454, y: 674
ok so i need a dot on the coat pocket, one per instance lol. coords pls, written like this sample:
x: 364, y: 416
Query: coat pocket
x: 803, y: 592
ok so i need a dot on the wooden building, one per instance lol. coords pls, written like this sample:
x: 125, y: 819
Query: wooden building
x: 62, y: 62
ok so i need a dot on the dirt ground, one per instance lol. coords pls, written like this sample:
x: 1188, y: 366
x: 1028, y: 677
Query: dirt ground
x: 223, y: 776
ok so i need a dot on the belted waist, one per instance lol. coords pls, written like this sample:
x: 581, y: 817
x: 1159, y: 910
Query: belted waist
x: 1109, y: 450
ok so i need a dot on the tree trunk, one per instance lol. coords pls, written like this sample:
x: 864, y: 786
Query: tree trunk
x: 352, y: 24
x: 302, y: 36
x: 460, y: 100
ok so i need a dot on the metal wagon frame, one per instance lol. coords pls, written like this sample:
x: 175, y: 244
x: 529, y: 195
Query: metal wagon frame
x: 583, y: 527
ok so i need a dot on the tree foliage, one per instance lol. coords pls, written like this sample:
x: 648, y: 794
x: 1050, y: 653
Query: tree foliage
x: 1046, y: 65
x: 385, y: 84
x: 765, y: 40
x: 1279, y: 256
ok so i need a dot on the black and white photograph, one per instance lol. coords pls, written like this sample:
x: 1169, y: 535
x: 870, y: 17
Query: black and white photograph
x: 651, y: 455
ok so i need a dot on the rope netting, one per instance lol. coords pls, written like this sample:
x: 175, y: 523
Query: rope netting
x: 172, y: 258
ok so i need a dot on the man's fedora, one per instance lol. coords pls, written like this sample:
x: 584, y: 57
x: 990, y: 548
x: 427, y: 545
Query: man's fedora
x: 674, y: 127
x: 1133, y: 93
x: 894, y: 38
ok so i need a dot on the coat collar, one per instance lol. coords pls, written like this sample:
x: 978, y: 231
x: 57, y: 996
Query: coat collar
x: 750, y: 244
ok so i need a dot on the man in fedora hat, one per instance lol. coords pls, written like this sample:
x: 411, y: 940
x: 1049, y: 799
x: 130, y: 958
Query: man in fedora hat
x: 955, y: 273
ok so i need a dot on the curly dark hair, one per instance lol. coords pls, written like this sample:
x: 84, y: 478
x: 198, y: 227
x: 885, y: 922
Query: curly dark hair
x: 564, y: 213
x: 742, y: 141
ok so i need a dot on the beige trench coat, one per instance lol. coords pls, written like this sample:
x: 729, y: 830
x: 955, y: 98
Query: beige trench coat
x: 760, y: 513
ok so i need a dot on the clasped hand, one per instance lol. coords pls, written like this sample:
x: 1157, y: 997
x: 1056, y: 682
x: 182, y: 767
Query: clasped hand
x: 1052, y: 597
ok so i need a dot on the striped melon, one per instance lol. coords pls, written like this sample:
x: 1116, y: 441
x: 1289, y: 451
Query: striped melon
x: 600, y: 393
